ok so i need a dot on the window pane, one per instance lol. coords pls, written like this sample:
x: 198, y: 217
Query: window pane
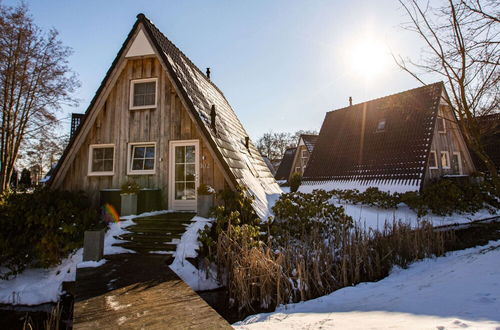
x: 144, y: 93
x: 432, y: 160
x: 190, y: 191
x: 150, y: 152
x: 444, y: 160
x: 139, y: 152
x: 440, y: 124
x: 108, y: 153
x: 98, y: 153
x: 149, y: 164
x: 179, y: 191
x: 138, y: 164
x: 179, y: 154
x: 108, y: 165
x: 149, y: 99
x: 97, y: 165
x: 455, y: 164
x: 190, y: 172
x: 179, y: 172
x: 381, y: 125
x: 190, y: 154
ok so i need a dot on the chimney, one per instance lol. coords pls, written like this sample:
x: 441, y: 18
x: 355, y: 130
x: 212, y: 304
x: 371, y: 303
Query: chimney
x: 247, y: 142
x: 208, y: 73
x: 350, y: 101
x: 213, y: 114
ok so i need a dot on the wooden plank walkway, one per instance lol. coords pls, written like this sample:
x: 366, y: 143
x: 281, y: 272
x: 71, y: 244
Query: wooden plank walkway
x: 139, y: 290
x: 133, y: 291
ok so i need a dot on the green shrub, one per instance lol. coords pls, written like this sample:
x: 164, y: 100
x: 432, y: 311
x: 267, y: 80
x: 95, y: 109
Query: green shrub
x: 130, y: 187
x: 300, y: 213
x: 295, y: 182
x: 234, y: 213
x: 39, y: 229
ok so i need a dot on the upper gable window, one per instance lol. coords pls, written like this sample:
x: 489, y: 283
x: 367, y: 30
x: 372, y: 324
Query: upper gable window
x: 101, y: 159
x: 441, y: 123
x: 143, y: 93
x: 381, y: 125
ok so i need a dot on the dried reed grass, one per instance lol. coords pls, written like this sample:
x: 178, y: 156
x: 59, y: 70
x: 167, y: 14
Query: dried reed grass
x: 264, y: 275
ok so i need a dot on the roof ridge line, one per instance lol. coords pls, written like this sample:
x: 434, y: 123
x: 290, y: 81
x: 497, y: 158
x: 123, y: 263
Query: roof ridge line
x: 144, y: 18
x: 386, y: 96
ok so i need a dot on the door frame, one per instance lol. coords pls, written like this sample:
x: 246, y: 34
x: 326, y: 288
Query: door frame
x: 459, y: 154
x: 171, y: 174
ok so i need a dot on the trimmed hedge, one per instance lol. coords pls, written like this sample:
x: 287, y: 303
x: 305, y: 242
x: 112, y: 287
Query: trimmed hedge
x: 442, y: 198
x: 39, y: 229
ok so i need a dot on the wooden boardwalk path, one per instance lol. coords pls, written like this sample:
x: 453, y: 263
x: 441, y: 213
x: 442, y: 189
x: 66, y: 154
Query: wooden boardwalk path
x: 139, y: 291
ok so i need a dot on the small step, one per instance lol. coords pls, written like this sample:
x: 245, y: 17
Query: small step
x: 151, y: 235
x: 156, y: 228
x: 149, y: 246
x: 148, y: 238
x: 147, y: 249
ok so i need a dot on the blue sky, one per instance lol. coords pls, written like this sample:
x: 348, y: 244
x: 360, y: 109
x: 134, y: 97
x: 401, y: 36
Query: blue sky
x: 282, y: 64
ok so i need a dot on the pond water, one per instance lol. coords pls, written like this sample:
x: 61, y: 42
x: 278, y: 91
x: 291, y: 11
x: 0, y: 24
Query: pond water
x: 38, y: 317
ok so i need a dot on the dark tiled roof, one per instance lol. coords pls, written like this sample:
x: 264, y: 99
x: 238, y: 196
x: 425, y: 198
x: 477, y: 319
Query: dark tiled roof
x: 350, y: 147
x: 490, y: 130
x: 283, y: 172
x: 309, y: 141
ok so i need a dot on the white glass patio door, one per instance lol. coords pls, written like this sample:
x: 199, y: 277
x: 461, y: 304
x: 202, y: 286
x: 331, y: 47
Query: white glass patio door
x: 184, y: 174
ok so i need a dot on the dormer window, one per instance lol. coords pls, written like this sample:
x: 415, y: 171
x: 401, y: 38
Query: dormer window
x: 143, y: 93
x: 381, y: 125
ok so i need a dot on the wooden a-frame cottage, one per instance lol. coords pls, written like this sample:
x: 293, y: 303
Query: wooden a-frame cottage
x: 396, y: 143
x: 158, y: 120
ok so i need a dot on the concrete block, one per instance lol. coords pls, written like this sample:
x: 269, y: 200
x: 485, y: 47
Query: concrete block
x: 129, y: 204
x: 93, y: 245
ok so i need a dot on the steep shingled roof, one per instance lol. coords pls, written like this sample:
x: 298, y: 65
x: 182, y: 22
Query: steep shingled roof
x: 283, y: 172
x: 353, y: 147
x: 243, y: 165
x: 310, y: 141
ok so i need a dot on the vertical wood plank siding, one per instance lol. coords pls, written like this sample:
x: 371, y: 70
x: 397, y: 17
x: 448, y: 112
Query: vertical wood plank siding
x: 118, y: 125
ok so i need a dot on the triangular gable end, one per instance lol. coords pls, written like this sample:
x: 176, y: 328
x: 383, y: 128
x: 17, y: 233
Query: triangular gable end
x: 145, y: 40
x: 140, y: 46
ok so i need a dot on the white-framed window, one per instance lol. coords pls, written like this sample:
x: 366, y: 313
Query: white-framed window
x: 304, y: 154
x: 381, y: 125
x: 141, y: 158
x: 433, y: 163
x: 445, y: 159
x: 143, y: 93
x: 101, y: 159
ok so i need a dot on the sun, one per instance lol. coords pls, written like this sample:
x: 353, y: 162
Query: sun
x: 368, y: 57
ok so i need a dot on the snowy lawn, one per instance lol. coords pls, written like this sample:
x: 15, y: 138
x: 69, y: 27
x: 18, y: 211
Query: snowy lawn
x: 456, y: 291
x: 197, y: 279
x: 375, y: 218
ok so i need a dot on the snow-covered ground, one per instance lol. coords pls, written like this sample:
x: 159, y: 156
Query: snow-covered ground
x: 197, y: 279
x: 456, y: 291
x: 375, y: 218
